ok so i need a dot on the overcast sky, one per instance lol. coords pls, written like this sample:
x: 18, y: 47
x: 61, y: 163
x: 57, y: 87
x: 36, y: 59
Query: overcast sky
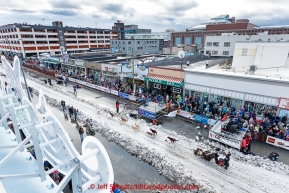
x: 157, y: 15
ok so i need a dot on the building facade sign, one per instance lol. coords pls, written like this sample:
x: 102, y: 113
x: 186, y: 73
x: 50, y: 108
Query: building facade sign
x: 111, y: 68
x: 142, y: 70
x: 164, y: 82
x: 126, y: 67
x: 283, y: 103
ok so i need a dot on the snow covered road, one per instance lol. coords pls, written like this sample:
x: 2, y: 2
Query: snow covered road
x: 179, y: 163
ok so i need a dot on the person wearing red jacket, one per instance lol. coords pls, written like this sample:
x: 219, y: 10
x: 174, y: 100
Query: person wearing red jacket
x: 117, y: 106
x: 248, y: 141
x: 243, y: 145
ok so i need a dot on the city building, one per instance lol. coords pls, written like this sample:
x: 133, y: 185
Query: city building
x: 261, y: 54
x: 133, y: 29
x: 223, y: 24
x: 224, y: 45
x: 119, y: 28
x: 139, y: 46
x: 35, y: 39
x: 153, y: 35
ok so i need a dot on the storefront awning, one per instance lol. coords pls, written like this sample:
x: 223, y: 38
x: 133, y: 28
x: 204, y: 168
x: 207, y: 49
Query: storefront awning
x: 165, y: 80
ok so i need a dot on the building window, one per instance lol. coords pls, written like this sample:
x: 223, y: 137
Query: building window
x: 216, y: 44
x: 178, y: 41
x: 227, y: 44
x: 214, y: 52
x: 123, y: 48
x: 129, y: 48
x: 137, y: 42
x: 128, y: 42
x: 208, y: 52
x: 244, y: 51
x: 209, y: 43
x: 225, y: 53
x: 187, y: 41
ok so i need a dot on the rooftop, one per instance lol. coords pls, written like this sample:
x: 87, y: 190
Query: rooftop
x: 272, y: 74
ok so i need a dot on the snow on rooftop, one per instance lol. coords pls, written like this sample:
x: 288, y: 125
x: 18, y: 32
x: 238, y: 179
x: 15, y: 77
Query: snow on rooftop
x: 280, y: 75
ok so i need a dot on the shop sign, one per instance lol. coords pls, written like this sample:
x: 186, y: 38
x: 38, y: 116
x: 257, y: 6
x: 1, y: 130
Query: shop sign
x: 123, y: 95
x: 111, y: 68
x: 142, y: 70
x: 55, y: 60
x: 147, y: 114
x: 78, y: 63
x: 114, y: 92
x: 226, y: 140
x: 164, y: 82
x: 126, y: 67
x: 277, y: 142
x: 283, y: 103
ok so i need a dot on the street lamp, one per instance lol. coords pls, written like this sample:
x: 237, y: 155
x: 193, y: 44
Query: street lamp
x: 133, y: 71
x: 43, y: 21
x: 21, y: 62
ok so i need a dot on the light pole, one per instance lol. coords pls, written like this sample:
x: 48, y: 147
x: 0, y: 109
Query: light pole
x: 21, y: 62
x: 96, y: 25
x: 43, y: 21
x: 132, y: 71
x: 44, y: 48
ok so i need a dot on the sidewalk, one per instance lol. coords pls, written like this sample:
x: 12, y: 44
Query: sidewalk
x: 175, y: 124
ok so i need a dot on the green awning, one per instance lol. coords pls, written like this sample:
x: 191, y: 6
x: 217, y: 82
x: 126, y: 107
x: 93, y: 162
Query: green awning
x: 165, y: 80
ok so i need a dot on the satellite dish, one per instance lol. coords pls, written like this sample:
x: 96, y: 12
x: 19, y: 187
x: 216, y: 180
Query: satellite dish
x: 181, y: 54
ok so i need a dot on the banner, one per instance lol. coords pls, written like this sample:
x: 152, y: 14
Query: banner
x: 131, y: 97
x: 104, y: 89
x: 226, y: 140
x: 146, y: 114
x: 277, y: 142
x: 114, y: 92
x: 201, y: 119
x: 186, y: 114
x: 142, y: 70
x: 123, y: 95
x: 126, y: 67
x: 172, y: 114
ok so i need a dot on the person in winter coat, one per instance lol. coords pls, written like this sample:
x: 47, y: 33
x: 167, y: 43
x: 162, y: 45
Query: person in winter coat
x: 81, y: 131
x: 63, y: 105
x: 75, y: 112
x: 227, y: 159
x: 117, y: 106
x: 243, y: 145
x: 248, y: 141
x: 216, y: 155
x: 70, y: 110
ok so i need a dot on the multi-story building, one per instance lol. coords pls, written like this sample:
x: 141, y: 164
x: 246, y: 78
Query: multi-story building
x: 166, y: 36
x: 223, y: 24
x: 133, y: 29
x: 36, y: 39
x: 225, y: 45
x: 139, y: 46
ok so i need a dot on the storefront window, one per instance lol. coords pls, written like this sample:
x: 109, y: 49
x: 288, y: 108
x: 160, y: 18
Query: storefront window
x: 236, y: 103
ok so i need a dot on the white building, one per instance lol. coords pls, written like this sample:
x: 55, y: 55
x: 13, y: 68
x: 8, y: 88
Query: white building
x: 222, y: 45
x: 153, y: 35
x: 36, y: 39
x: 264, y: 55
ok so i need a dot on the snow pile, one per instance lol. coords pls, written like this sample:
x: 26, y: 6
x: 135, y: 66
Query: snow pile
x: 177, y: 161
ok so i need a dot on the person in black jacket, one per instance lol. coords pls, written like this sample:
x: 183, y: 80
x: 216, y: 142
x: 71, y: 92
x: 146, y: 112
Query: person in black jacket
x: 70, y: 110
x: 227, y: 159
x: 216, y: 155
x: 63, y: 105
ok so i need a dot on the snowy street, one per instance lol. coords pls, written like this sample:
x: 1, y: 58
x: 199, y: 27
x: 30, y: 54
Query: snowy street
x: 178, y: 163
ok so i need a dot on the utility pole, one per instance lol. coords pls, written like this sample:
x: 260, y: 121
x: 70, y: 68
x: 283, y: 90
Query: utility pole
x: 43, y: 21
x: 132, y: 70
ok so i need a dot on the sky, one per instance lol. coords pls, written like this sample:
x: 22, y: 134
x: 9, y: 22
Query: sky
x: 157, y: 15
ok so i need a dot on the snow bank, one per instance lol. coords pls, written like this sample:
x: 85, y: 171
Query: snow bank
x: 177, y: 162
